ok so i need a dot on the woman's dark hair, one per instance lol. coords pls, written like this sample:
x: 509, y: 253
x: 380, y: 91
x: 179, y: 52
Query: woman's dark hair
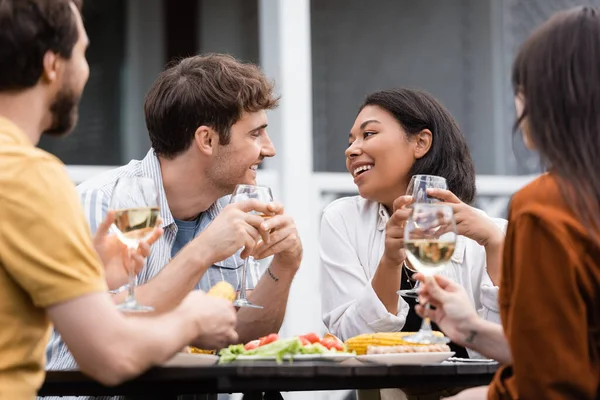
x: 29, y: 29
x: 557, y: 71
x: 212, y: 90
x: 449, y: 155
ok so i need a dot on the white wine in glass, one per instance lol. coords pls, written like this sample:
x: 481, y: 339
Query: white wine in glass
x: 429, y: 242
x: 417, y: 188
x: 135, y: 225
x: 135, y: 202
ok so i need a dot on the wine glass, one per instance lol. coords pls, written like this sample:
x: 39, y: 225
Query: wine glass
x: 417, y: 188
x: 243, y: 193
x: 135, y: 202
x: 429, y: 241
x: 418, y: 185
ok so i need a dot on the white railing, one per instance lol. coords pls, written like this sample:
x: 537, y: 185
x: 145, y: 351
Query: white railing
x: 493, y: 191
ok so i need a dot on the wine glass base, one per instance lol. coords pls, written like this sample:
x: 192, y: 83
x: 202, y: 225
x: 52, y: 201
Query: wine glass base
x: 134, y: 307
x: 426, y: 338
x: 245, y: 303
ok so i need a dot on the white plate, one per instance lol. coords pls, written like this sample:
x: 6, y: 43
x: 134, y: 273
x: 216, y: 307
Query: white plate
x: 191, y: 360
x: 300, y: 357
x: 406, y: 358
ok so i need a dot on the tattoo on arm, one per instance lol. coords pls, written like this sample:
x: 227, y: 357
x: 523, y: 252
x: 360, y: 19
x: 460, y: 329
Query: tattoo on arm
x: 272, y: 275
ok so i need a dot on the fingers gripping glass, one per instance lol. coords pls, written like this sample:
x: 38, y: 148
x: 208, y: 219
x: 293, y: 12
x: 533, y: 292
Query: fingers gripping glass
x: 243, y: 193
x: 429, y: 240
x: 135, y: 202
x: 417, y: 188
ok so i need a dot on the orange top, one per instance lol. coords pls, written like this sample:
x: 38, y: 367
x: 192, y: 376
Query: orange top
x: 549, y: 300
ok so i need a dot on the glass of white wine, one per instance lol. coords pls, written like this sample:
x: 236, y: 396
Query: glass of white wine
x: 417, y: 188
x: 243, y: 193
x: 429, y: 241
x: 135, y: 202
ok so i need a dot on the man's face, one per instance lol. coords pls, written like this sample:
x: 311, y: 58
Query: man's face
x: 64, y: 107
x: 236, y: 162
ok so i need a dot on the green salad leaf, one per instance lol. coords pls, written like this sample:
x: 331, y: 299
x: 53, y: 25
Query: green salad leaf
x: 278, y: 349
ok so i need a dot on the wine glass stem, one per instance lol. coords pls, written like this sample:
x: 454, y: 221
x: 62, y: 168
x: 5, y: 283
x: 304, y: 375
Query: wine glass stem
x: 426, y: 324
x: 131, y: 272
x: 244, y: 271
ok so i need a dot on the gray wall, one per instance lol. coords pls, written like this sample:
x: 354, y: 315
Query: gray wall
x: 461, y: 51
x: 443, y: 47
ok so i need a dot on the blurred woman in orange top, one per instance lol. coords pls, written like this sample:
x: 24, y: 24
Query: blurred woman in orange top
x: 550, y: 282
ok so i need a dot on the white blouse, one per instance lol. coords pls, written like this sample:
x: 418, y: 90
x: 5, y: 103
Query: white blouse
x: 351, y: 244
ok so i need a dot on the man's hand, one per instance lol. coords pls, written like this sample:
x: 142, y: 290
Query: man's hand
x: 282, y: 240
x: 116, y: 257
x: 215, y: 319
x: 453, y: 313
x: 235, y: 227
x: 394, y: 231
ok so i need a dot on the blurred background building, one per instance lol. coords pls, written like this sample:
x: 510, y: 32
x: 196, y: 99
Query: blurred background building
x: 325, y: 56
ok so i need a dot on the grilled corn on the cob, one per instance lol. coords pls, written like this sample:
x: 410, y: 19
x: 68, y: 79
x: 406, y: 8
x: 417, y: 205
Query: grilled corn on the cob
x: 360, y: 343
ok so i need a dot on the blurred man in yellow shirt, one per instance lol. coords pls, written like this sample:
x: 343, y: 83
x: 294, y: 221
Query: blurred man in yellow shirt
x: 50, y: 270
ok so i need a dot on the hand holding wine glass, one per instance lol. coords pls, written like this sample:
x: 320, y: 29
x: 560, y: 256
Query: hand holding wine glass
x: 243, y: 193
x: 429, y: 239
x: 135, y: 204
x: 116, y: 257
x: 419, y: 189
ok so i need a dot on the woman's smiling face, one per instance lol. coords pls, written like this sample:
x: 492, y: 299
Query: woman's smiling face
x: 380, y: 155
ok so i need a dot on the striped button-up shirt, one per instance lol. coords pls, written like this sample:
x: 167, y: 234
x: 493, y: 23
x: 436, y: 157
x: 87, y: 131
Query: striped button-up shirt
x: 95, y: 196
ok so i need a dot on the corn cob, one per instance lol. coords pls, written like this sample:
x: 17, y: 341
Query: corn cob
x: 221, y: 289
x: 224, y: 290
x: 360, y: 343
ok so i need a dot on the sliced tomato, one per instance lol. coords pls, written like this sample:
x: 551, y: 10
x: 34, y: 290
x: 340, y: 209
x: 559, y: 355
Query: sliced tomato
x: 332, y: 344
x: 252, y: 344
x: 268, y: 339
x: 304, y: 340
x: 311, y: 337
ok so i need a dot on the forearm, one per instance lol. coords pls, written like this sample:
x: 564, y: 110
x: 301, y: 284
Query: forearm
x: 112, y: 347
x: 163, y: 337
x: 493, y: 258
x: 273, y: 296
x: 166, y: 290
x: 386, y: 284
x: 486, y: 338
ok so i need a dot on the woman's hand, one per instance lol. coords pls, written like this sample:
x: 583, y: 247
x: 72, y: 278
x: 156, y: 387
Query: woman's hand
x: 394, y: 231
x: 454, y: 313
x: 116, y: 257
x: 469, y: 221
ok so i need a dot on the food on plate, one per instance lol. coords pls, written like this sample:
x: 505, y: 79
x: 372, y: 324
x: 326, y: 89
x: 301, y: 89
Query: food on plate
x: 196, y: 350
x: 273, y: 346
x: 426, y: 348
x: 223, y: 290
x: 360, y: 343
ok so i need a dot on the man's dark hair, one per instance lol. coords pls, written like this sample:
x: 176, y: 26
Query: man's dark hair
x: 29, y: 29
x: 212, y: 90
x: 449, y: 155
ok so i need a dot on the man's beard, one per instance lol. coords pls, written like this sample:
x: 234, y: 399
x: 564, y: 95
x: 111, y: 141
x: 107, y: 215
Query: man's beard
x: 64, y: 112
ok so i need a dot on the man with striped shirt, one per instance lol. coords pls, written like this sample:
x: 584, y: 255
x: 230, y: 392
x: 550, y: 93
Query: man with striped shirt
x: 207, y: 124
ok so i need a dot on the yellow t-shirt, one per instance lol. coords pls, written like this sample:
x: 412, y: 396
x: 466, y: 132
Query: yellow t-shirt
x: 46, y: 257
